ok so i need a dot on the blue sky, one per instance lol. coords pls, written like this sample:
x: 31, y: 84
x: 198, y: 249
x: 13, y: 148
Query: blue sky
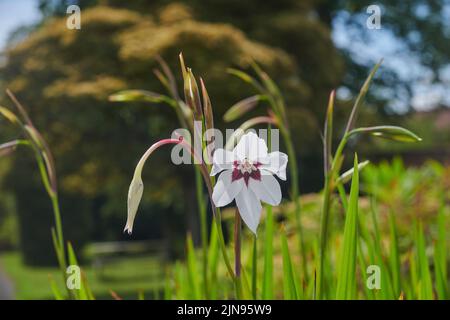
x: 15, y: 13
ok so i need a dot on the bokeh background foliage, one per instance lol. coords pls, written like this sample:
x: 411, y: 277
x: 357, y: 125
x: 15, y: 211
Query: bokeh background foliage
x: 64, y: 77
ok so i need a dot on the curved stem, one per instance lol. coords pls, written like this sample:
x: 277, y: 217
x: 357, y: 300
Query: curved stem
x: 203, y: 228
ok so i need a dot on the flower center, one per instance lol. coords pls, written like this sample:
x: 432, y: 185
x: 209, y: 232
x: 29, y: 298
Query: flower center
x: 246, y: 169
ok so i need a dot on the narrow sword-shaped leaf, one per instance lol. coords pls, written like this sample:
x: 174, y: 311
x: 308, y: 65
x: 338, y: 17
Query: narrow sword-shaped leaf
x: 10, y: 146
x: 10, y: 116
x: 346, y: 281
x: 440, y: 255
x: 328, y: 134
x: 171, y: 82
x: 267, y: 286
x: 346, y: 176
x: 246, y: 78
x: 426, y: 287
x: 359, y: 100
x: 394, y: 255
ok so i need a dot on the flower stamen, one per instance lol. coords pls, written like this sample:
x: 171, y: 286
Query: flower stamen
x: 246, y: 169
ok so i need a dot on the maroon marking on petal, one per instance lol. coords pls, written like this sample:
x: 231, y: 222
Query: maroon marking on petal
x: 236, y: 175
x: 246, y: 178
x: 256, y: 175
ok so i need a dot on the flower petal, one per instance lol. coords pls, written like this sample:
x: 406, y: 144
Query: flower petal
x: 222, y: 160
x: 276, y: 163
x: 249, y: 208
x: 251, y: 147
x: 134, y: 198
x: 267, y: 190
x: 225, y: 190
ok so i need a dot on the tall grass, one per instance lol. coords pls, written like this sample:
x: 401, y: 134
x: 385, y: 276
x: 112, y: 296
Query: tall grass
x: 341, y: 270
x: 331, y: 257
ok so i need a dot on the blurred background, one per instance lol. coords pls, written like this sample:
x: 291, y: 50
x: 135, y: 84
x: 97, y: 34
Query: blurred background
x: 64, y: 78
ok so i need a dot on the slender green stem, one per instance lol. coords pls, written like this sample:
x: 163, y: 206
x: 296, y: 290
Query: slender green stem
x: 59, y: 232
x: 237, y: 244
x: 237, y: 254
x: 209, y: 181
x: 203, y: 228
x: 223, y: 247
x: 255, y: 266
x: 323, y: 238
x: 59, y: 241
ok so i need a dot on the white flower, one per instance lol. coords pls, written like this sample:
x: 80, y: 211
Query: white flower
x: 247, y: 177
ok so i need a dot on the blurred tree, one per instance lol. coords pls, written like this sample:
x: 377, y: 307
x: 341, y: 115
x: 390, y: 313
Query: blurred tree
x: 65, y: 76
x: 416, y: 31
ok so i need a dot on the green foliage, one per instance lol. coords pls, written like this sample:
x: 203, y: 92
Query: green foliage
x: 290, y: 282
x: 267, y: 283
x: 116, y: 49
x: 125, y: 275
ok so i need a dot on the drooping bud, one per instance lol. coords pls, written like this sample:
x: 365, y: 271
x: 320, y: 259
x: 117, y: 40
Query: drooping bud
x: 136, y: 188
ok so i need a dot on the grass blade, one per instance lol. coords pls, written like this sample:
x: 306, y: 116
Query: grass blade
x: 193, y: 272
x: 213, y: 257
x: 267, y: 285
x: 346, y: 284
x: 394, y: 255
x: 328, y: 135
x: 440, y: 257
x: 425, y: 284
x: 289, y: 280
